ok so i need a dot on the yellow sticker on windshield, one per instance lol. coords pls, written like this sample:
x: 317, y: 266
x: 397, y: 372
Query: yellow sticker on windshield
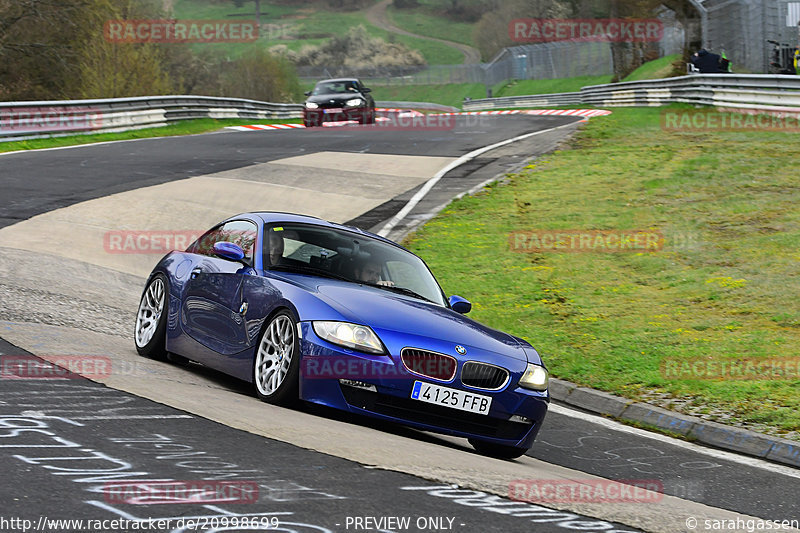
x: 277, y: 229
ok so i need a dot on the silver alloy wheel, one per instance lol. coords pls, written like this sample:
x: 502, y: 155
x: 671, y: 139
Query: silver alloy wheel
x: 149, y: 312
x: 274, y: 355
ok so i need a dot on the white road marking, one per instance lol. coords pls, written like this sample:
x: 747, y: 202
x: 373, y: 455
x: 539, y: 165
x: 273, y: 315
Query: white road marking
x: 129, y: 417
x: 389, y: 226
x: 717, y: 454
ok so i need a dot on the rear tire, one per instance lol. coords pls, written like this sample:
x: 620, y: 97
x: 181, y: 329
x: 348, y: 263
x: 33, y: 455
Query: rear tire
x: 277, y: 361
x: 497, y: 450
x: 150, y: 331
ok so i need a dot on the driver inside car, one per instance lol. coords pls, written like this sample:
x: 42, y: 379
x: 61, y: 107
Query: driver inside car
x: 369, y: 271
x: 276, y: 247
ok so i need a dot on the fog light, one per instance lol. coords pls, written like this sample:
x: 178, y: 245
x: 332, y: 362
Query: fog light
x: 358, y: 385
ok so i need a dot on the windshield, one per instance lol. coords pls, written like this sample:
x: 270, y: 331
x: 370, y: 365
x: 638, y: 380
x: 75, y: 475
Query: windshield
x: 340, y: 254
x: 335, y: 87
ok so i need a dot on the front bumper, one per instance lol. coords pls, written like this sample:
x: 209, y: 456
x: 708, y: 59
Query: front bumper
x: 391, y: 400
x: 320, y: 115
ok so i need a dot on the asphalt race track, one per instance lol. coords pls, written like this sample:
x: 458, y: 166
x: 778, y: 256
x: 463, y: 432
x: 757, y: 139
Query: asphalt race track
x: 66, y: 290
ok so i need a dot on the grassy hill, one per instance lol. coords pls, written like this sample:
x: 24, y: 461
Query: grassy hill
x: 658, y: 68
x: 426, y: 20
x: 313, y: 23
x: 298, y: 26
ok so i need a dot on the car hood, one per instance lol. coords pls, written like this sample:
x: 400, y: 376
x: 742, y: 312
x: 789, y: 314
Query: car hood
x: 334, y: 99
x: 385, y: 310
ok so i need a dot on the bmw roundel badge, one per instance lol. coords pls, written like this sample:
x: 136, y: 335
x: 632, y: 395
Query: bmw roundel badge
x: 461, y: 350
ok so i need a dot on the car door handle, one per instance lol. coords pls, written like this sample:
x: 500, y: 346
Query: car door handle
x: 196, y: 272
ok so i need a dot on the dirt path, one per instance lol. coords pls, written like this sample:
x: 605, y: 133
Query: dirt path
x: 377, y: 16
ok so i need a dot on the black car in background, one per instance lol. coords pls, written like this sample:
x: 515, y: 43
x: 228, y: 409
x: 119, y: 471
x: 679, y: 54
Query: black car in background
x: 338, y: 100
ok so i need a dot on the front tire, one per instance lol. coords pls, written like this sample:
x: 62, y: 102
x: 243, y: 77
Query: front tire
x: 497, y: 450
x: 368, y: 117
x: 150, y: 332
x: 277, y: 361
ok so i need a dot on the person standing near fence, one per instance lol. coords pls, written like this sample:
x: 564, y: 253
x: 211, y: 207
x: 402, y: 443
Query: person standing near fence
x: 796, y: 61
x: 706, y: 62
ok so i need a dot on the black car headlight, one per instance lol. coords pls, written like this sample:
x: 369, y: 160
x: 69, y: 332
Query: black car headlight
x: 349, y: 335
x: 535, y: 378
x: 311, y: 105
x: 354, y: 102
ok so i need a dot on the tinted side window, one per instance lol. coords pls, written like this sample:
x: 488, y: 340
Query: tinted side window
x: 241, y: 232
x: 204, y: 245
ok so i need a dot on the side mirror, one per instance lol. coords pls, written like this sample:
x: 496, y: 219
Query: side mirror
x: 307, y: 93
x: 229, y: 251
x: 366, y: 90
x: 460, y: 305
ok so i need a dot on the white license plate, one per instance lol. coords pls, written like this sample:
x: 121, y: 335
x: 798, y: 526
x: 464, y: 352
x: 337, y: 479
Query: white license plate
x: 333, y: 110
x: 453, y: 398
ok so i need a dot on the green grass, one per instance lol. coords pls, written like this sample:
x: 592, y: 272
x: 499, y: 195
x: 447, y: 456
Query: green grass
x: 724, y: 287
x: 425, y: 21
x: 278, y: 15
x: 433, y: 52
x: 304, y: 26
x: 565, y: 85
x: 658, y: 68
x: 204, y: 9
x: 188, y: 127
x: 453, y: 94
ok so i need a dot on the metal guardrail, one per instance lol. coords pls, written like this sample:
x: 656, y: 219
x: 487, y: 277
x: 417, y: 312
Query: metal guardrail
x: 533, y: 100
x: 760, y: 92
x: 428, y: 106
x: 34, y: 120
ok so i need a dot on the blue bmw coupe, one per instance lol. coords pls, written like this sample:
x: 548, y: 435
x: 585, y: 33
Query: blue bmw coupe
x: 330, y: 314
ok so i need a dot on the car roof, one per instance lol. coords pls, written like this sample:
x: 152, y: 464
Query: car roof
x: 338, y: 79
x: 271, y: 217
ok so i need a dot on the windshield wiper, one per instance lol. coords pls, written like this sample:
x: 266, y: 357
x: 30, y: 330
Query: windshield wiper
x: 401, y: 290
x: 302, y: 269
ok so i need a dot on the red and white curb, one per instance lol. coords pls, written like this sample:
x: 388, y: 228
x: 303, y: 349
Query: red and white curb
x: 266, y: 127
x: 586, y: 113
x: 405, y: 113
x: 399, y: 112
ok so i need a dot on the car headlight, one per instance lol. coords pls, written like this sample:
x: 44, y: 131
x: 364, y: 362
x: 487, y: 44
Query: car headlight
x: 354, y: 102
x: 535, y: 377
x: 349, y: 335
x: 311, y: 105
